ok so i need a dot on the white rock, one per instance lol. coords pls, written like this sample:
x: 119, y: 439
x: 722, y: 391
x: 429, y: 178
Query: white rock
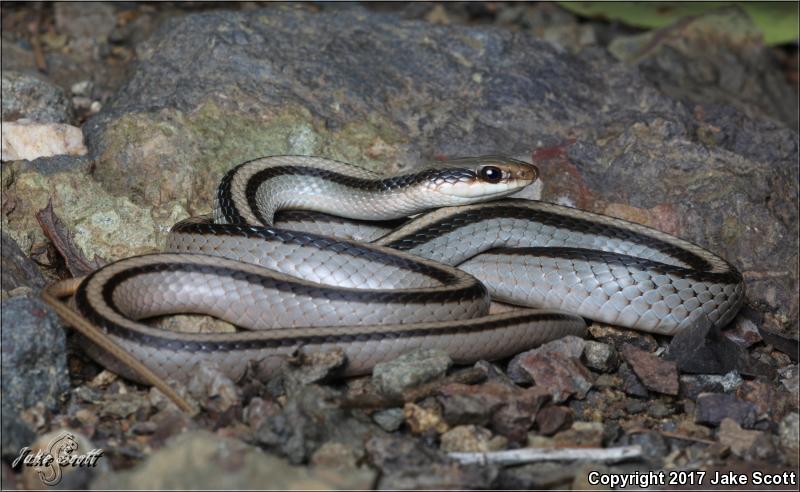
x: 30, y: 140
x: 83, y: 88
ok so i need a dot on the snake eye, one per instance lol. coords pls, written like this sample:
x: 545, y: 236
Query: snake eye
x: 491, y: 174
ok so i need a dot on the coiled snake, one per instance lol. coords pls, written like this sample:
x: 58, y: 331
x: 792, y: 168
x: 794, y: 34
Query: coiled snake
x: 379, y: 290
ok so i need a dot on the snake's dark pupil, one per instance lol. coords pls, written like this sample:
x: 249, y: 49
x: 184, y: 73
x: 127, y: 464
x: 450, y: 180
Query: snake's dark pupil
x: 491, y: 174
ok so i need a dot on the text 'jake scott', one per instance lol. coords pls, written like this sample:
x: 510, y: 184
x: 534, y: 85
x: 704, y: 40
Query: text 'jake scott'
x: 696, y: 478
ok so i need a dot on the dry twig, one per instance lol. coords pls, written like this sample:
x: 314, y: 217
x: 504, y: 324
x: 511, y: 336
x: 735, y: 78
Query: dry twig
x: 36, y: 42
x: 57, y: 233
x: 531, y: 455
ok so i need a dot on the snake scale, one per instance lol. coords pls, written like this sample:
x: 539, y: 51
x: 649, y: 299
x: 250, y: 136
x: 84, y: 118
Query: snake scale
x: 291, y: 255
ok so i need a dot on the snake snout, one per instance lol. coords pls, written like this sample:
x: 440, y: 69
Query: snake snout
x: 526, y: 172
x: 522, y: 171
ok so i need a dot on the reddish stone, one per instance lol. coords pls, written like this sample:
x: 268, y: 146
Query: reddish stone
x: 552, y: 419
x: 767, y: 401
x: 563, y: 376
x: 516, y: 418
x: 712, y: 408
x: 656, y: 374
x: 630, y: 383
x: 509, y: 411
x: 744, y: 332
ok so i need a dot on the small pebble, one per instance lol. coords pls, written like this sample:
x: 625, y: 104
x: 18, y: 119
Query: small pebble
x: 392, y: 378
x: 660, y: 410
x: 789, y: 432
x: 656, y: 374
x: 712, y: 408
x: 790, y: 379
x: 631, y: 383
x: 605, y: 381
x: 635, y: 406
x: 27, y: 140
x: 82, y: 88
x: 390, y: 419
x: 466, y: 439
x: 552, y: 419
x: 600, y: 356
x: 745, y: 444
x: 570, y: 347
x: 421, y: 420
x: 562, y: 375
x: 581, y: 434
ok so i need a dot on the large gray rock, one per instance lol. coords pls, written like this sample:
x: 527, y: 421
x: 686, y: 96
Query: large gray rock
x: 18, y: 270
x: 372, y: 89
x: 34, y: 362
x: 34, y: 98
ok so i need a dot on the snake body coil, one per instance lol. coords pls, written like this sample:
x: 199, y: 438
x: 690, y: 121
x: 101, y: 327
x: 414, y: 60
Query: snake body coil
x: 296, y: 286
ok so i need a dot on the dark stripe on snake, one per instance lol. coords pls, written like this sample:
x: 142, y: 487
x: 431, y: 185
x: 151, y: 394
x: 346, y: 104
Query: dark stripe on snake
x: 507, y: 210
x: 453, y: 294
x: 308, y: 239
x: 206, y: 343
x: 368, y: 185
x: 621, y: 260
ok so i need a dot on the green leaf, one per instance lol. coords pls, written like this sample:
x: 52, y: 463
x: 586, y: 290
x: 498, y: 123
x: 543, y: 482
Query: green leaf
x: 777, y: 21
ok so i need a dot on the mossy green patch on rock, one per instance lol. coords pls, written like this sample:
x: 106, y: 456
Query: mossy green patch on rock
x: 374, y: 143
x: 731, y: 229
x: 156, y: 158
x: 148, y: 157
x: 101, y: 224
x: 226, y: 138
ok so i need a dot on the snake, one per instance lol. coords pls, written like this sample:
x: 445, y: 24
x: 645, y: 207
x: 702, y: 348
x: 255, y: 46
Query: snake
x: 311, y: 254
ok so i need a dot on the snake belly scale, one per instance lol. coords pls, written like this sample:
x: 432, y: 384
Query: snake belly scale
x: 377, y: 291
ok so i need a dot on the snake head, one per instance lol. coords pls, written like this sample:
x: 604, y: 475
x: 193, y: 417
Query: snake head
x: 476, y: 179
